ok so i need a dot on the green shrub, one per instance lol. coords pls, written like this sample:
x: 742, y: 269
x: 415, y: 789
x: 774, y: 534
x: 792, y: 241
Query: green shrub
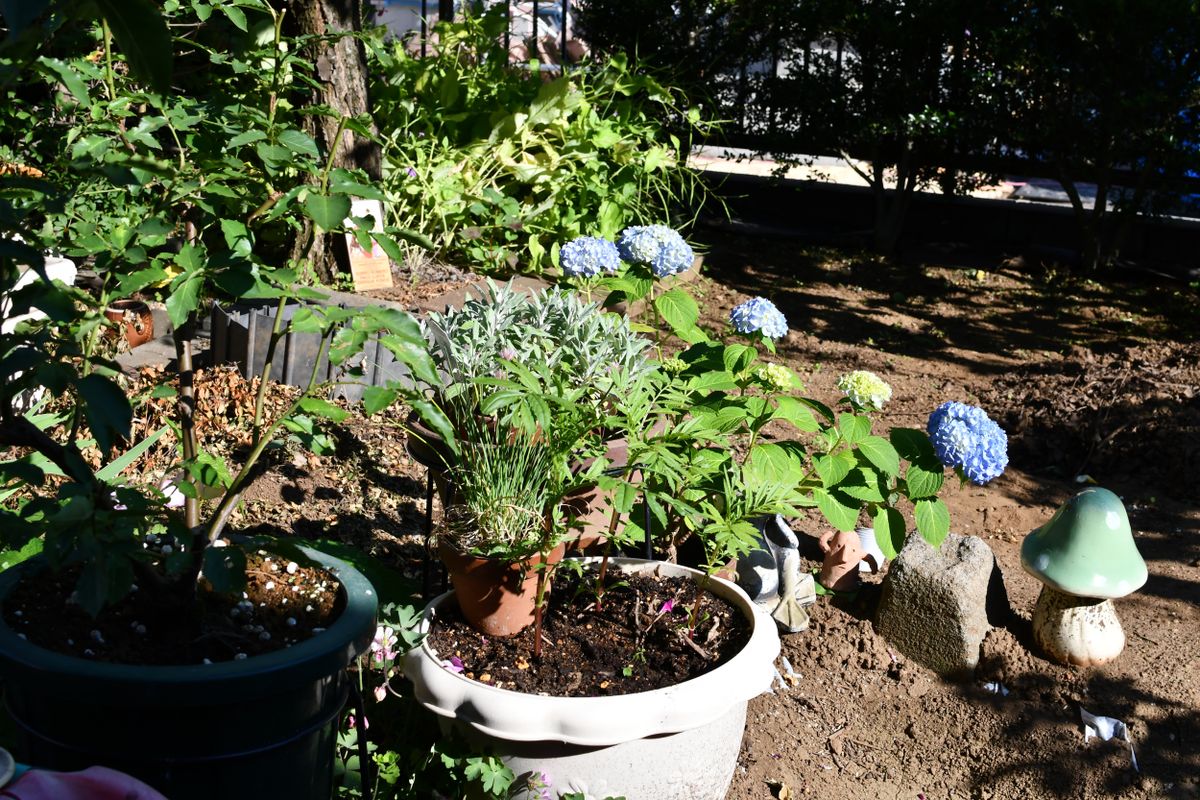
x: 500, y: 163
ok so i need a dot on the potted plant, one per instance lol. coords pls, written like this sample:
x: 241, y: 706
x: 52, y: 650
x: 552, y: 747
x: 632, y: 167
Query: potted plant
x: 717, y: 438
x: 570, y: 341
x: 617, y: 744
x: 200, y: 194
x: 607, y: 745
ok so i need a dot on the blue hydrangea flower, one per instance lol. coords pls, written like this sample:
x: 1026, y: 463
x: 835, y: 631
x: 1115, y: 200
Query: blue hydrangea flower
x: 588, y: 256
x: 656, y: 246
x: 965, y: 436
x: 759, y: 316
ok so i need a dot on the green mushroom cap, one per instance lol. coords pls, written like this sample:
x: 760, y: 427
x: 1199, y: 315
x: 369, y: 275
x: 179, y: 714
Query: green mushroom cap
x: 1087, y: 548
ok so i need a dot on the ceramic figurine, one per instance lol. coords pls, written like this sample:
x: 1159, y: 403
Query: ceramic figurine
x: 771, y: 575
x: 843, y: 553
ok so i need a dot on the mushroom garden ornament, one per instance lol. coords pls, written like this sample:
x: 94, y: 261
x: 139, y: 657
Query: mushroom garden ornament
x: 1085, y: 556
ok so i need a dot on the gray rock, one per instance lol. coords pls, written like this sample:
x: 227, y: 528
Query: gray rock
x: 934, y: 607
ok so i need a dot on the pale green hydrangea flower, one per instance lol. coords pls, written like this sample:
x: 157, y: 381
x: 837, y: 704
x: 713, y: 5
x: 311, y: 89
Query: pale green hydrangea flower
x: 865, y: 389
x: 777, y: 376
x: 674, y: 366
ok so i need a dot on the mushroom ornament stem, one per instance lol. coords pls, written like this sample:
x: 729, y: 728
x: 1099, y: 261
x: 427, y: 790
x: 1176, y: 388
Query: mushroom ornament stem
x: 1083, y: 631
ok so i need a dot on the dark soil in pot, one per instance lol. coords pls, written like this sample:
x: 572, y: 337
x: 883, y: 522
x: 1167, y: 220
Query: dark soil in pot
x: 283, y: 603
x: 626, y: 646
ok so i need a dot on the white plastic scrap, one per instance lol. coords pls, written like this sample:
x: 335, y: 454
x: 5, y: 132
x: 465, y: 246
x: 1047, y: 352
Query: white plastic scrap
x: 995, y: 687
x: 1107, y: 728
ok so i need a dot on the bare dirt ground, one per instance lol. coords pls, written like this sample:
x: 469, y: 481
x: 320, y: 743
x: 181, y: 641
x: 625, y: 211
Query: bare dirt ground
x: 1095, y: 379
x: 1088, y: 379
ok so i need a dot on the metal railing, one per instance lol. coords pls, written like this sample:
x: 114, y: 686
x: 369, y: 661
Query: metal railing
x: 534, y: 25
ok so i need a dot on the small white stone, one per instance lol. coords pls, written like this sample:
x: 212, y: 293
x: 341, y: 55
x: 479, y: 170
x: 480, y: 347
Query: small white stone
x: 71, y: 642
x: 308, y: 609
x: 18, y: 613
x: 88, y: 653
x: 21, y: 636
x: 140, y: 629
x: 274, y: 568
x: 270, y: 585
x: 167, y: 549
x: 208, y: 661
x: 284, y: 601
x: 133, y: 587
x: 315, y: 631
x: 265, y: 636
x: 220, y: 543
x: 296, y: 588
x: 240, y: 657
x: 292, y: 567
x: 291, y: 622
x: 97, y: 636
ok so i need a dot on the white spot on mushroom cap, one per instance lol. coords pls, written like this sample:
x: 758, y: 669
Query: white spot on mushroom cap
x: 1113, y: 520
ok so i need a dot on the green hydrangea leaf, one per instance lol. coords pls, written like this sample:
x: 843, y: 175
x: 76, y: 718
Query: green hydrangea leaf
x: 933, y: 520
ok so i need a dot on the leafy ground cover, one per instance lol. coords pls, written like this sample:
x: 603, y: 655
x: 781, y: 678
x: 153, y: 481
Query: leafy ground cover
x: 1088, y: 378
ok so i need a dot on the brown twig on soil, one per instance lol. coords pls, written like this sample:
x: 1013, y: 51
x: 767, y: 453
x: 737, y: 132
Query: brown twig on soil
x: 1146, y: 638
x: 688, y: 641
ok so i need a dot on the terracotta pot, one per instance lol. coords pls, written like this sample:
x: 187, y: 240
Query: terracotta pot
x: 591, y: 506
x: 135, y: 319
x: 497, y: 597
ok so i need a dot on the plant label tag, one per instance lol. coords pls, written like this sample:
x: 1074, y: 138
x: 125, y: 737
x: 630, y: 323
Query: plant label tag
x: 371, y: 269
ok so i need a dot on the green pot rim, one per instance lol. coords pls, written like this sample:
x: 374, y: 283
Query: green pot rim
x: 199, y: 684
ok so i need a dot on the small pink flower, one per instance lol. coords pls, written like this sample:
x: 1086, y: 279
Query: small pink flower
x: 454, y: 664
x: 351, y: 722
x: 667, y: 607
x: 383, y: 646
x: 380, y: 693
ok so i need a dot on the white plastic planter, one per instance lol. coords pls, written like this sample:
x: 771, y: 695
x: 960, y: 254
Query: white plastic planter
x: 676, y: 743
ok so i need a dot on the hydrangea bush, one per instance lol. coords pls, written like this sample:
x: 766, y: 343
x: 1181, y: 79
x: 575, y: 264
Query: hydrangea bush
x: 699, y: 464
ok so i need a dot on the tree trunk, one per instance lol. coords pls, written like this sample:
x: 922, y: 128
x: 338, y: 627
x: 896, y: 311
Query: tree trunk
x: 340, y: 65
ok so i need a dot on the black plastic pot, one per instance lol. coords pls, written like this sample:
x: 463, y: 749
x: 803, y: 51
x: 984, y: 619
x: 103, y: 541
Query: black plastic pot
x: 263, y: 727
